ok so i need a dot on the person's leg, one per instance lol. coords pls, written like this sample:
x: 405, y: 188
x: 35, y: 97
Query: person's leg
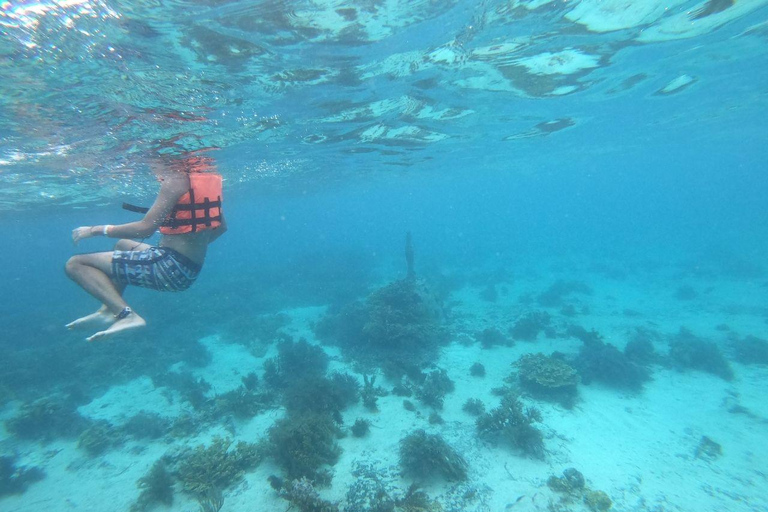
x: 93, y: 272
x: 103, y: 314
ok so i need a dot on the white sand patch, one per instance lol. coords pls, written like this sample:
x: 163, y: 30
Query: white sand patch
x: 609, y: 15
x: 693, y: 23
x: 122, y: 402
x: 565, y: 62
x: 230, y: 363
x: 679, y: 83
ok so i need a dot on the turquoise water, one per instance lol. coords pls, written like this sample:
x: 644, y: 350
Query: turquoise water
x: 619, y: 147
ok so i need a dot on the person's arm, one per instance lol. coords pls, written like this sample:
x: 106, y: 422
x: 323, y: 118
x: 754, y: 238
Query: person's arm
x: 171, y: 190
x: 216, y: 233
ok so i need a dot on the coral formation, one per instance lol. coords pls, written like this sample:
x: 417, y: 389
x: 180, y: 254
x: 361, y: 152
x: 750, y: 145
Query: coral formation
x: 491, y: 337
x: 423, y: 454
x: 436, y: 385
x: 554, y: 295
x: 294, y: 358
x: 98, y: 438
x: 47, y: 418
x: 602, y: 362
x: 510, y: 424
x: 144, y: 425
x: 302, y: 444
x: 597, y: 501
x: 300, y: 493
x: 708, y: 449
x: 15, y: 479
x: 640, y: 348
x: 474, y: 406
x: 156, y: 488
x: 361, y: 427
x: 751, y: 350
x: 398, y: 327
x: 548, y: 377
x: 528, y: 326
x: 477, y: 370
x: 203, y: 469
x: 688, y: 351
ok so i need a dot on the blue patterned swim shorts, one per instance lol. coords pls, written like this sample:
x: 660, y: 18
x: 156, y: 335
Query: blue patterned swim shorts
x: 158, y: 268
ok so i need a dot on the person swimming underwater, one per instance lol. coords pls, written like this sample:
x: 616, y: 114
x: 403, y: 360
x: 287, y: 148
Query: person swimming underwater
x: 187, y: 212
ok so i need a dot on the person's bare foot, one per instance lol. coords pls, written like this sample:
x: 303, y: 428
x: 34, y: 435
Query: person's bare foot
x: 102, y: 316
x: 132, y: 321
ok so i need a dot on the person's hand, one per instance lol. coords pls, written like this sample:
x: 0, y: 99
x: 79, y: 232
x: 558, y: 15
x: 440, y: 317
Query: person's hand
x: 81, y: 232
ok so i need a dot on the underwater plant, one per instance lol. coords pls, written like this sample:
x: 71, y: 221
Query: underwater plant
x: 302, y: 444
x: 216, y: 466
x: 512, y: 425
x: 528, y: 326
x: 436, y: 385
x: 688, y: 351
x: 548, y: 378
x: 15, y: 479
x: 423, y: 454
x: 156, y: 488
x: 242, y: 403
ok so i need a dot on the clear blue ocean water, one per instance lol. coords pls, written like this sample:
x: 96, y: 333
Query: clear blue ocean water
x: 620, y: 145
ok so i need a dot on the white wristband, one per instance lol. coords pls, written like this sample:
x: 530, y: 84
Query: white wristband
x: 106, y: 229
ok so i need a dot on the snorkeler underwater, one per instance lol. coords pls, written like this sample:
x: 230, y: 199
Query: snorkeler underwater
x: 479, y: 256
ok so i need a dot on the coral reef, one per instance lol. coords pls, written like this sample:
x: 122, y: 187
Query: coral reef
x: 477, y: 370
x: 751, y: 350
x: 203, y: 469
x: 423, y: 454
x: 474, y: 407
x: 294, y: 358
x: 398, y: 327
x: 15, y: 479
x: 436, y: 385
x: 528, y: 326
x: 302, y: 443
x: 371, y: 393
x: 361, y: 427
x: 548, y: 378
x: 47, y: 418
x: 708, y: 449
x: 491, y: 337
x: 98, y: 438
x: 688, y: 351
x: 597, y: 501
x: 156, y: 488
x: 242, y: 403
x: 554, y: 295
x: 322, y: 395
x: 572, y: 486
x: 602, y: 362
x: 510, y: 424
x: 191, y: 389
x: 146, y: 425
x: 300, y: 493
x: 640, y: 348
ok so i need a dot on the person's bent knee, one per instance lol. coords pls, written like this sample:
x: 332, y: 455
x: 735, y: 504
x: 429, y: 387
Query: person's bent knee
x: 70, y: 267
x: 125, y: 244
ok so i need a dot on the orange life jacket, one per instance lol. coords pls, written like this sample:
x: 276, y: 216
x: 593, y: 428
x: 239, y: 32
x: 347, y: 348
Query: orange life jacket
x: 197, y: 210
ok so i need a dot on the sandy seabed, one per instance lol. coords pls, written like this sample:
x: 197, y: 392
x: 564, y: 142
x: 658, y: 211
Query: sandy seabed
x: 639, y: 448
